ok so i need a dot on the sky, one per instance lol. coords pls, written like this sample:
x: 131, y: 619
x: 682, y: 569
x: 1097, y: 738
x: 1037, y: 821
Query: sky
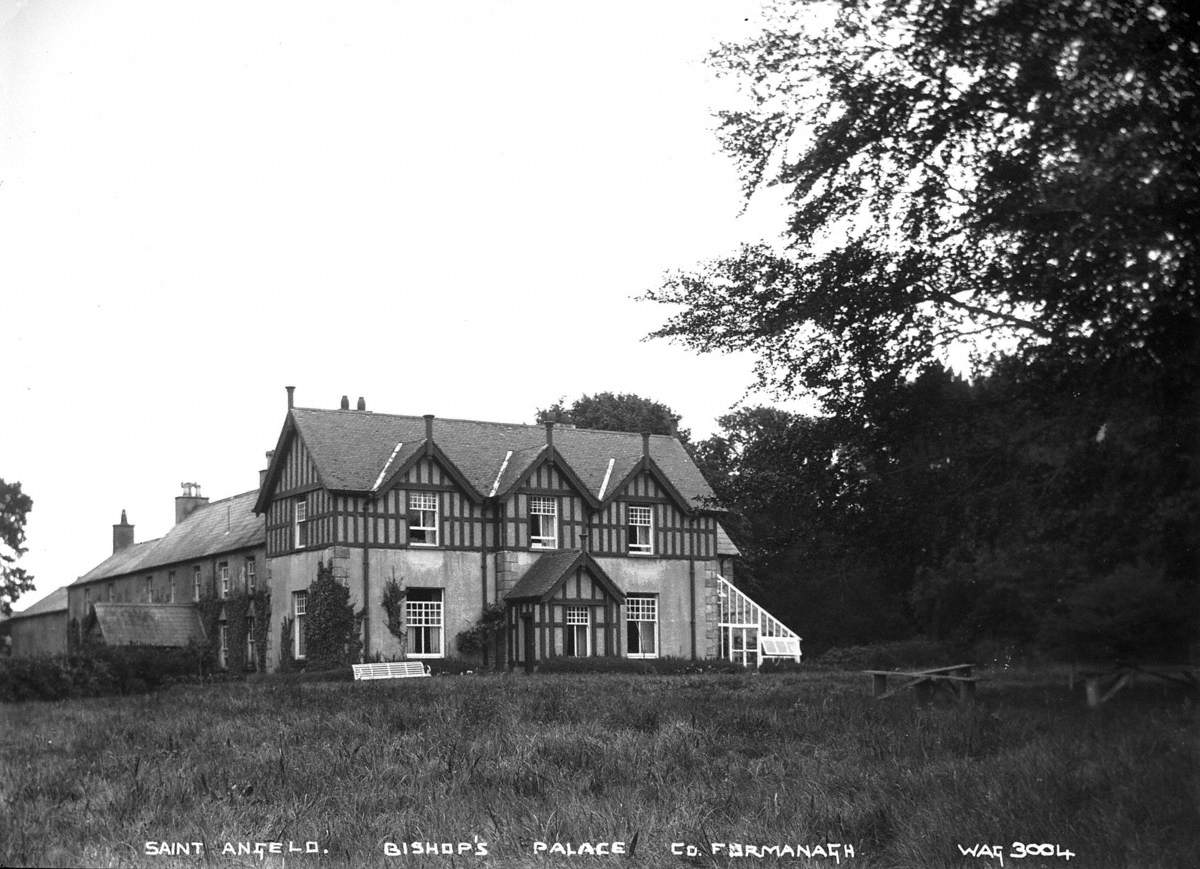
x: 445, y: 208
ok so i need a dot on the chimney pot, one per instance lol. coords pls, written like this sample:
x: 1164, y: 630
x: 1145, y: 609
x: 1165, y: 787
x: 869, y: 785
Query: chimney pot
x: 345, y: 402
x: 362, y: 403
x: 291, y: 391
x: 189, y: 502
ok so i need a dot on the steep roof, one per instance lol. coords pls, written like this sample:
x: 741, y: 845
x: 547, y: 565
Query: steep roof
x: 149, y: 624
x: 55, y: 601
x: 551, y: 568
x: 355, y: 450
x: 222, y: 526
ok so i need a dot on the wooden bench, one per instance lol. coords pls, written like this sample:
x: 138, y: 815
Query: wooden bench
x: 955, y: 680
x: 391, y: 670
x: 780, y: 647
x: 1102, y: 685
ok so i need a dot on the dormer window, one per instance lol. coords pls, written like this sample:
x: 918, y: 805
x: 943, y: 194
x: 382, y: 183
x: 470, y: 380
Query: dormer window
x: 641, y: 530
x: 423, y: 518
x: 543, y: 523
x: 300, y: 522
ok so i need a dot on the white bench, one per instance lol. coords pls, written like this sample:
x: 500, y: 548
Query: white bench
x: 391, y: 670
x: 780, y: 647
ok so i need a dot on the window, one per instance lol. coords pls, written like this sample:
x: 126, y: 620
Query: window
x: 251, y: 576
x: 223, y: 573
x: 641, y: 620
x: 300, y: 522
x: 149, y: 589
x: 422, y: 518
x: 579, y: 635
x: 196, y: 583
x: 111, y: 590
x: 251, y: 660
x: 641, y: 530
x: 87, y: 596
x: 543, y: 522
x: 423, y: 616
x: 223, y: 635
x: 171, y: 584
x: 299, y: 609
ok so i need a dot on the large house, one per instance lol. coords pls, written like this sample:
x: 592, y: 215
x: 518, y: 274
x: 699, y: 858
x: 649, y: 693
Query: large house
x: 592, y: 542
x: 585, y: 542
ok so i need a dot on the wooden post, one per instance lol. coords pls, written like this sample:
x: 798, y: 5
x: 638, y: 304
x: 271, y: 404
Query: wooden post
x: 878, y: 684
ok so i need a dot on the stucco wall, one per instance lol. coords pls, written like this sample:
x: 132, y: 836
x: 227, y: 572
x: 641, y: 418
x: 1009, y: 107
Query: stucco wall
x: 669, y: 579
x: 44, y: 634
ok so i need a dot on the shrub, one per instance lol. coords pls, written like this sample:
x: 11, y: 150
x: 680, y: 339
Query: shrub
x: 331, y: 636
x: 450, y: 666
x: 104, y: 670
x: 888, y: 656
x: 644, y: 666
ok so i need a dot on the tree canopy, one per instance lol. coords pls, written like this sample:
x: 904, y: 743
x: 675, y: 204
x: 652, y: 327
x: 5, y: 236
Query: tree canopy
x: 616, y: 412
x: 1019, y: 171
x: 14, y: 508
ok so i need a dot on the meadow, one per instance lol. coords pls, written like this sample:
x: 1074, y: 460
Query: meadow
x: 501, y: 763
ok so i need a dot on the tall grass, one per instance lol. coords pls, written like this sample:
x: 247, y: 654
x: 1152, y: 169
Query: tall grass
x: 789, y: 758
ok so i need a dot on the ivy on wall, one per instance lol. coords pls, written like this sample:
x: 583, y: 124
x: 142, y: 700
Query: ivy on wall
x: 260, y: 601
x: 331, y: 625
x: 287, y: 661
x: 481, y: 638
x: 393, y: 606
x: 237, y: 609
x: 210, y: 607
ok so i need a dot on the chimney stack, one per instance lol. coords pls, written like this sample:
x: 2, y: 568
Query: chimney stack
x: 262, y: 475
x: 362, y: 403
x: 291, y: 391
x: 345, y: 402
x: 122, y: 534
x: 189, y: 502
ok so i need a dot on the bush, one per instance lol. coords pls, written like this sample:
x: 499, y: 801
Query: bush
x: 643, y: 666
x: 103, y: 670
x: 888, y: 656
x: 450, y: 666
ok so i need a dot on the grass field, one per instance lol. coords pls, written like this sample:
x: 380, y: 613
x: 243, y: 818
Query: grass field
x: 800, y: 759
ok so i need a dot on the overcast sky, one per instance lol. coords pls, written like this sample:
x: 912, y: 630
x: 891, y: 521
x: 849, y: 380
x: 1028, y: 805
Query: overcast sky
x: 446, y: 208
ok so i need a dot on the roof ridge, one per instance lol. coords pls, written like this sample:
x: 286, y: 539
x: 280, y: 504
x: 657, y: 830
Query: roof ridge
x: 530, y: 425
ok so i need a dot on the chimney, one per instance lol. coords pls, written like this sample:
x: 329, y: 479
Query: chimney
x: 646, y: 444
x: 291, y: 391
x: 362, y: 403
x: 189, y: 502
x: 345, y: 402
x: 122, y: 534
x: 549, y: 434
x: 262, y: 475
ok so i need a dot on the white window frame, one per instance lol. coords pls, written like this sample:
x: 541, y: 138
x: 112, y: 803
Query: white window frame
x: 250, y: 657
x: 299, y: 614
x: 425, y: 620
x: 300, y: 522
x: 149, y: 588
x: 546, y: 507
x: 112, y: 591
x: 196, y: 583
x: 423, y: 506
x: 577, y: 617
x: 171, y: 584
x: 640, y: 511
x: 223, y: 573
x: 641, y: 609
x: 251, y: 576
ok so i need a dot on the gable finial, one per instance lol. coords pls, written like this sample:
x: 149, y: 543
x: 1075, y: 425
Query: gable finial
x: 549, y: 433
x: 645, y: 444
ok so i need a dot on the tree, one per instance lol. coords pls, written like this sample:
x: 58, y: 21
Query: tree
x: 616, y: 412
x: 1014, y: 171
x: 14, y: 581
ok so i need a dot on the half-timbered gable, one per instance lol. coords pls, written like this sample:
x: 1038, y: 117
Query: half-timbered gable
x: 547, y: 508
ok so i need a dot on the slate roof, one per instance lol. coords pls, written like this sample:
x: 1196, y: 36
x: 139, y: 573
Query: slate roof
x: 148, y: 624
x: 540, y: 581
x: 221, y: 526
x: 55, y: 601
x: 352, y: 449
x: 725, y: 546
